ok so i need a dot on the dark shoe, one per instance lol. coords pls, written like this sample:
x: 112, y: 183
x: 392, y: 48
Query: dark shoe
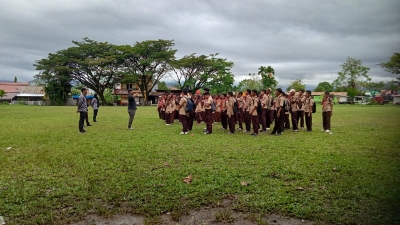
x: 89, y: 125
x: 253, y: 134
x: 278, y: 134
x: 273, y: 133
x: 82, y: 131
x: 262, y: 131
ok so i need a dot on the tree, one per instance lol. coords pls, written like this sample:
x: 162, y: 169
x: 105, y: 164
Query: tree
x: 221, y: 83
x: 162, y: 86
x: 254, y: 82
x: 147, y: 62
x: 351, y: 92
x: 352, y: 75
x: 195, y: 72
x: 296, y: 85
x: 2, y: 94
x: 393, y: 66
x: 15, y: 79
x: 267, y: 77
x: 94, y: 64
x: 324, y: 86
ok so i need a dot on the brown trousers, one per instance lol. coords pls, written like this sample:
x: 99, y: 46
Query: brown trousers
x: 239, y: 117
x: 231, y: 123
x: 162, y: 115
x: 256, y: 123
x: 264, y: 119
x: 308, y: 121
x: 294, y: 120
x: 217, y: 116
x: 286, y: 123
x: 300, y: 117
x: 224, y: 119
x: 247, y: 120
x: 209, y: 122
x: 326, y: 120
x: 198, y: 118
x: 272, y: 116
x: 184, y: 120
x: 168, y: 118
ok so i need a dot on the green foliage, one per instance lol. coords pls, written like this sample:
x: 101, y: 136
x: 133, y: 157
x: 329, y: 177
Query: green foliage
x: 267, y: 77
x: 254, y: 82
x: 195, y: 72
x: 15, y: 79
x: 352, y: 75
x: 57, y: 176
x: 351, y: 92
x: 58, y: 90
x: 296, y: 85
x: 147, y: 62
x: 324, y: 86
x: 393, y: 66
x: 162, y: 85
x: 2, y: 94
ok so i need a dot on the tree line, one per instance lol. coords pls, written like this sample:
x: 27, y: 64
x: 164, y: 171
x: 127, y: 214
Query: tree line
x: 101, y: 66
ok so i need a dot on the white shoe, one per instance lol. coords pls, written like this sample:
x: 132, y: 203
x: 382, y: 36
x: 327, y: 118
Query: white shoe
x: 327, y: 131
x: 330, y: 133
x: 322, y: 130
x: 183, y: 132
x: 268, y: 128
x: 296, y: 131
x: 167, y: 124
x: 130, y: 128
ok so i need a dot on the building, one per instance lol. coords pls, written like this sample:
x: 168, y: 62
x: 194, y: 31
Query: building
x: 338, y: 97
x: 121, y: 94
x: 12, y: 89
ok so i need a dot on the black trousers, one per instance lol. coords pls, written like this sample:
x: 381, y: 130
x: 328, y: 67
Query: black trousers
x: 95, y: 111
x: 224, y: 120
x: 82, y: 117
x: 294, y: 120
x: 184, y: 121
x: 191, y: 118
x: 308, y: 121
x: 209, y: 120
x: 279, y: 122
x: 256, y: 123
x: 264, y: 119
x: 87, y: 118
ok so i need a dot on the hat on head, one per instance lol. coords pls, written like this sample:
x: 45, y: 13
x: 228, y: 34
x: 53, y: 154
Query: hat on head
x: 130, y: 89
x: 292, y: 90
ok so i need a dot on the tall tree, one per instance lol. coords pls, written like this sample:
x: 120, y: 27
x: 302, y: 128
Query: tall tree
x: 221, y: 83
x: 267, y: 77
x: 352, y: 74
x: 296, y: 85
x: 2, y: 94
x: 15, y: 79
x: 94, y: 64
x: 147, y: 62
x: 195, y: 72
x: 254, y: 82
x: 324, y: 86
x: 393, y: 66
x: 162, y: 86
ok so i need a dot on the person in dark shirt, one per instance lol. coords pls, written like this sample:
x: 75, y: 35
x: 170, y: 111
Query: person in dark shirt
x: 131, y: 107
x: 82, y: 109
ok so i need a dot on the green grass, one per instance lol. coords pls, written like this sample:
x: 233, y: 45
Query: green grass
x: 53, y: 175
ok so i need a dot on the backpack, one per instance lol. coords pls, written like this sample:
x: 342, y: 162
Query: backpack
x: 189, y: 105
x: 286, y: 105
x: 314, y: 108
x: 259, y: 109
x: 235, y: 107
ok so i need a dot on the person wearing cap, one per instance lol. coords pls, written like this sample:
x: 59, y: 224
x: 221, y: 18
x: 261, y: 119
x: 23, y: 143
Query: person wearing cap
x: 280, y: 112
x: 231, y: 115
x: 300, y: 111
x: 208, y: 112
x: 82, y: 109
x: 131, y: 107
x: 247, y: 116
x: 294, y: 104
x: 183, y: 115
x: 253, y: 112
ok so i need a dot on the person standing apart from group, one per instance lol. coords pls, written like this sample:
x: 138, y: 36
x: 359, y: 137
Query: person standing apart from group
x: 95, y: 105
x: 131, y: 107
x: 327, y: 108
x: 82, y: 109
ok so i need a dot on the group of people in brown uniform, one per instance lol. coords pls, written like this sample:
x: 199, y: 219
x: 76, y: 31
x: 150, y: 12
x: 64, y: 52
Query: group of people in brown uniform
x: 259, y: 109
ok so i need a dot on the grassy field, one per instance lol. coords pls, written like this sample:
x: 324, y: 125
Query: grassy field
x: 53, y: 175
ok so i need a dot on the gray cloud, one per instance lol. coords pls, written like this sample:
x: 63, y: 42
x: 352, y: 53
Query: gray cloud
x: 307, y: 39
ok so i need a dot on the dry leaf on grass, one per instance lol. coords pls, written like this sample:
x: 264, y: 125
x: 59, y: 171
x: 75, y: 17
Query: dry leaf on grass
x: 322, y: 187
x: 300, y: 188
x: 188, y: 179
x: 166, y: 164
x: 244, y: 183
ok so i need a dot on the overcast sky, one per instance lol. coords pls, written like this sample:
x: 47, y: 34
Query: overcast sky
x: 307, y: 39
